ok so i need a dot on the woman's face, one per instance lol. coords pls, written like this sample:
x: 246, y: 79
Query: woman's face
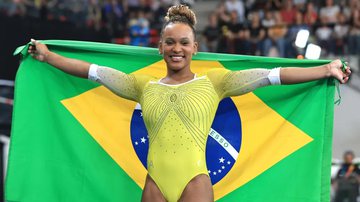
x: 177, y: 45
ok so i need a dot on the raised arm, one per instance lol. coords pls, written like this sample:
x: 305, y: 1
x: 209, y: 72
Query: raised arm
x: 71, y: 66
x: 233, y: 83
x: 293, y: 75
x: 128, y: 86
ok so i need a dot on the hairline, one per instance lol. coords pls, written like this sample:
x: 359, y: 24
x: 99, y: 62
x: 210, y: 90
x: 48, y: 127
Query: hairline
x: 177, y: 22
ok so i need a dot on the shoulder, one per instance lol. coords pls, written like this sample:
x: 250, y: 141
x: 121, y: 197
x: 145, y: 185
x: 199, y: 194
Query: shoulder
x: 143, y: 76
x: 216, y: 73
x: 143, y: 79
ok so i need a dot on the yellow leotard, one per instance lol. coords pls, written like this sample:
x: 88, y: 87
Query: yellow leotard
x: 178, y: 117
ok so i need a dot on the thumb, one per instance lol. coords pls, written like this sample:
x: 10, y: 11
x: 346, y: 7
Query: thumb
x: 34, y: 42
x: 338, y: 74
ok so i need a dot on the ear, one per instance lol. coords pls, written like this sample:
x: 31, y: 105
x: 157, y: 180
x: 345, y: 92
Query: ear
x: 196, y: 45
x: 160, y: 48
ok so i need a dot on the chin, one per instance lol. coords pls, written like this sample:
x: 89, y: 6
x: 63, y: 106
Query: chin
x: 176, y: 66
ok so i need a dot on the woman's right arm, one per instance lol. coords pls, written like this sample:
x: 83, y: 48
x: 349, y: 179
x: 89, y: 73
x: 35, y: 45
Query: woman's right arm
x: 71, y: 66
x: 120, y: 83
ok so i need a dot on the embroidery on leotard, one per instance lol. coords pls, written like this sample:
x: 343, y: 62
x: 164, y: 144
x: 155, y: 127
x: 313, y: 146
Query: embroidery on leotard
x: 191, y: 105
x: 222, y: 146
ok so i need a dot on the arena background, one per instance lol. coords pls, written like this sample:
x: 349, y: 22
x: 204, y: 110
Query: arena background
x: 93, y: 20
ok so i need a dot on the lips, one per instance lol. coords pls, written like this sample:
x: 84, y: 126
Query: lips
x: 177, y: 58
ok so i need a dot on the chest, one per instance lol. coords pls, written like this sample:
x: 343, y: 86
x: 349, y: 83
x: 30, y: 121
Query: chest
x: 195, y: 99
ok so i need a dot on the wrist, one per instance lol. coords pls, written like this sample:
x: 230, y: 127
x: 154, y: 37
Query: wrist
x: 47, y: 56
x: 327, y: 70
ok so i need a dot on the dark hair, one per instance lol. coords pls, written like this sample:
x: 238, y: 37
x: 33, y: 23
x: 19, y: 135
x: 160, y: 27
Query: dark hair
x: 180, y: 14
x: 349, y: 152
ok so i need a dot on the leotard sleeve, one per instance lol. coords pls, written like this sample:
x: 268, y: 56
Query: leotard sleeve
x: 232, y: 83
x: 128, y: 86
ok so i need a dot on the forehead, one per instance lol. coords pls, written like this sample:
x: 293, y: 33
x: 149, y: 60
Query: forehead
x: 178, y: 31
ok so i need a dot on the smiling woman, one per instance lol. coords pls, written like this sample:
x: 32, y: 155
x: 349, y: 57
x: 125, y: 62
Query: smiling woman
x: 178, y: 44
x: 178, y: 109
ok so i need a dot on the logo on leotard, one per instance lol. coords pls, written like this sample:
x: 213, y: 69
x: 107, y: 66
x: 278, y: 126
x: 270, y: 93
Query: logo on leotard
x: 222, y: 147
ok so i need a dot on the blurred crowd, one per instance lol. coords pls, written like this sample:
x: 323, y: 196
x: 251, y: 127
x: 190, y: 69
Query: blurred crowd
x: 345, y: 184
x: 270, y: 27
x: 252, y: 27
x: 135, y: 22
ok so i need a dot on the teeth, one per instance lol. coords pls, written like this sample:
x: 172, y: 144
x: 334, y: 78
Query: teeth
x: 176, y: 58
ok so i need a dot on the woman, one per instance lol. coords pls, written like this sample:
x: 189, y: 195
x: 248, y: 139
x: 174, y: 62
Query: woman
x: 178, y: 109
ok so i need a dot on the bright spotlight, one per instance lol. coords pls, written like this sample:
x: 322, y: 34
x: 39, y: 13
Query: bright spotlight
x: 302, y: 38
x: 313, y: 51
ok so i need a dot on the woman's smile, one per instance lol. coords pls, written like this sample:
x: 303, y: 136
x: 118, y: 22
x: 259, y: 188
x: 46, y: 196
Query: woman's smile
x: 177, y: 58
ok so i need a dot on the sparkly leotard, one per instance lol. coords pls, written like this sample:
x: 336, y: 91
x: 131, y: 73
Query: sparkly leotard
x: 178, y: 117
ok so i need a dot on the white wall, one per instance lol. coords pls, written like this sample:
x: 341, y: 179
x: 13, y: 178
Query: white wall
x: 347, y: 119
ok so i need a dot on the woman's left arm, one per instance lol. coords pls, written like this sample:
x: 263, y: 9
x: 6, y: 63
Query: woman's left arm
x: 334, y: 69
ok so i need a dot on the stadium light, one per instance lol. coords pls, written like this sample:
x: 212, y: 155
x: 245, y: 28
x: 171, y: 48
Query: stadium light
x: 313, y: 51
x: 302, y: 38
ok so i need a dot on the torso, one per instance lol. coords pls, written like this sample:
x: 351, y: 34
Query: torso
x: 178, y: 119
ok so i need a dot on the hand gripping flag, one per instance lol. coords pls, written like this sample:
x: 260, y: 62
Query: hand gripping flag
x: 73, y: 140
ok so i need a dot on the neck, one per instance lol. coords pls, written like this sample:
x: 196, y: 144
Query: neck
x: 180, y: 76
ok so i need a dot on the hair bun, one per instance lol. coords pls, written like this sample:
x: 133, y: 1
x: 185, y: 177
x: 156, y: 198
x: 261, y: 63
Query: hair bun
x: 181, y: 13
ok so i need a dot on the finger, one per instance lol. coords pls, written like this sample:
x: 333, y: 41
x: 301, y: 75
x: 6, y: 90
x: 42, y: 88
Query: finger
x: 338, y: 61
x: 344, y: 77
x: 33, y: 41
x: 31, y: 47
x: 348, y: 72
x: 343, y: 80
x: 31, y: 50
x: 345, y: 64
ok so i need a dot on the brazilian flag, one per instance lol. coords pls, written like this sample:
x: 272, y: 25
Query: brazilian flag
x: 73, y: 140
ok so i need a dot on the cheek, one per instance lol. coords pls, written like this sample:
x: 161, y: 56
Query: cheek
x: 189, y: 49
x: 167, y: 48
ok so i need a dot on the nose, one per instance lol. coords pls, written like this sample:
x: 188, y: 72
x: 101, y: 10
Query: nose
x: 176, y: 48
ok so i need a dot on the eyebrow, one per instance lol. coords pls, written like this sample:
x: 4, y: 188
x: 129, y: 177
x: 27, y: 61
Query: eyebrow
x: 170, y: 38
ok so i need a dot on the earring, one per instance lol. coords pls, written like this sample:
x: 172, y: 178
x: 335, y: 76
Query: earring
x: 195, y: 53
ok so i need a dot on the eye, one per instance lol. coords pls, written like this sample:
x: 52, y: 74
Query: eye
x: 169, y: 42
x: 184, y: 43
